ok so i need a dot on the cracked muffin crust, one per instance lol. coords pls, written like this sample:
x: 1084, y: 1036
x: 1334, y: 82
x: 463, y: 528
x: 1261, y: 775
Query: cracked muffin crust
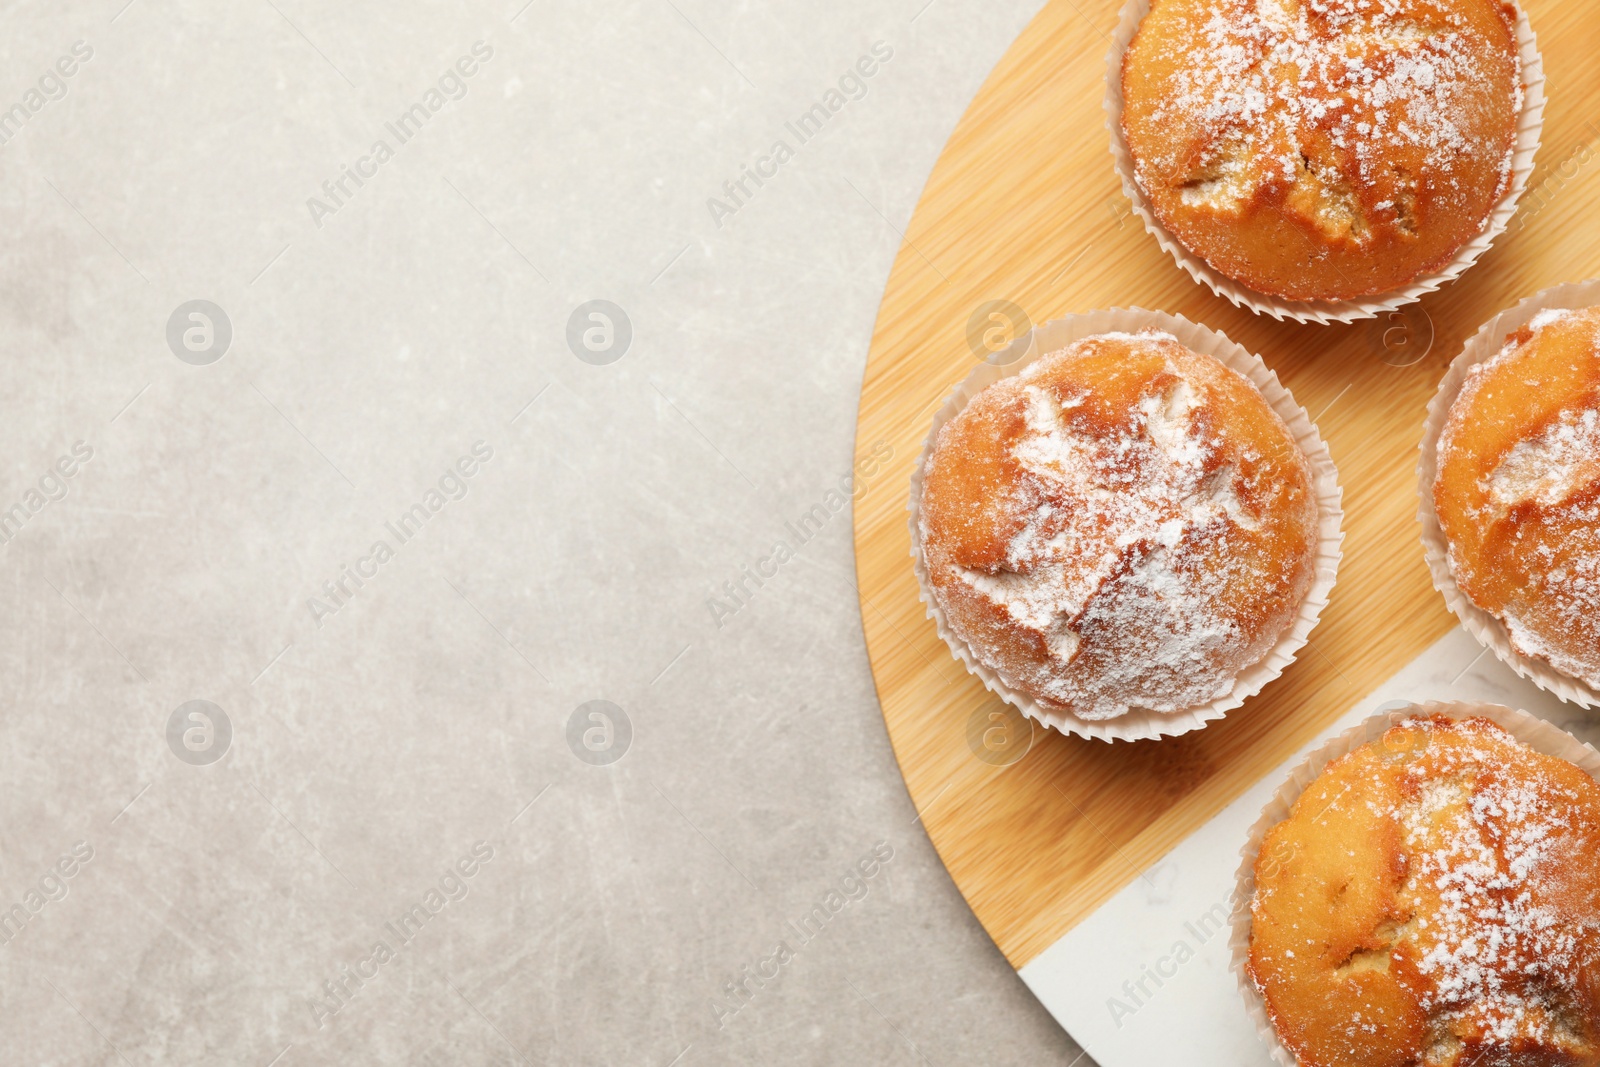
x: 1124, y: 524
x: 1433, y: 900
x: 1518, y: 490
x: 1323, y: 149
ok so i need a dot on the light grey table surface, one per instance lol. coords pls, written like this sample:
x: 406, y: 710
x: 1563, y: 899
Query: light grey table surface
x: 369, y: 747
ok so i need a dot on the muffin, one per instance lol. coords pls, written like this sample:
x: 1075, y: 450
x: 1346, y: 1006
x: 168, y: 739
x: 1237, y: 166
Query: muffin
x: 1323, y: 151
x: 1432, y: 900
x: 1517, y: 491
x: 1126, y: 524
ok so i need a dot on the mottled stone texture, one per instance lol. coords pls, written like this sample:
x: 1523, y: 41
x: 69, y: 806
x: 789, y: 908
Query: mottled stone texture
x: 399, y: 771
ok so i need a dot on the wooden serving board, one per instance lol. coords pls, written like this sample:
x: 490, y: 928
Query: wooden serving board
x: 1024, y: 206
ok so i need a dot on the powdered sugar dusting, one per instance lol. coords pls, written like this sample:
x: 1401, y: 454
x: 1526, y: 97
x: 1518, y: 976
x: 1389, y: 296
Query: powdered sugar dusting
x: 1123, y: 555
x: 1498, y: 950
x: 1431, y: 901
x: 1548, y: 316
x: 1540, y: 486
x: 1320, y: 95
x: 1550, y: 468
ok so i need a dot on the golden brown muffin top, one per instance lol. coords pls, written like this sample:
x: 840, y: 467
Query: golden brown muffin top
x: 1126, y: 523
x: 1518, y: 489
x: 1323, y: 149
x: 1433, y: 900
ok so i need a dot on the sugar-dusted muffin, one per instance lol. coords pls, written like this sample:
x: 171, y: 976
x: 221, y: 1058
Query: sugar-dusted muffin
x: 1323, y: 149
x: 1518, y: 490
x: 1433, y: 900
x: 1124, y: 524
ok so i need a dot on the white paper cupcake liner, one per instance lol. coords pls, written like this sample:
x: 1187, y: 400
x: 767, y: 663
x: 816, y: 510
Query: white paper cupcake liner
x: 1531, y: 730
x: 1530, y: 125
x: 1140, y: 724
x: 1490, y: 631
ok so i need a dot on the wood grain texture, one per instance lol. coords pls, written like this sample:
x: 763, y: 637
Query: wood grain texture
x: 1024, y: 206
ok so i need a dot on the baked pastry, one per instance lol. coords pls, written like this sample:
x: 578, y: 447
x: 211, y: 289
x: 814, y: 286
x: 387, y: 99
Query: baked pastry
x: 1433, y: 900
x: 1323, y: 151
x: 1124, y: 524
x: 1518, y: 490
